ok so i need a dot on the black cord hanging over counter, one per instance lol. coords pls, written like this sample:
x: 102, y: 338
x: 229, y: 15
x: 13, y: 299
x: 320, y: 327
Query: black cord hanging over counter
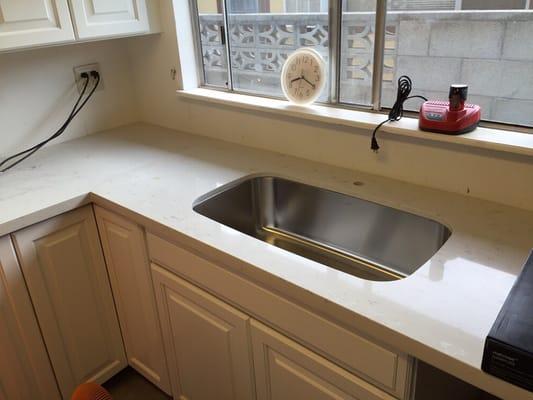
x: 75, y: 110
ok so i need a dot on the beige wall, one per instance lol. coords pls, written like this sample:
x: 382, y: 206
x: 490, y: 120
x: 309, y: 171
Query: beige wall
x: 277, y: 6
x: 483, y: 174
x: 210, y: 6
x: 37, y: 93
x: 207, y: 6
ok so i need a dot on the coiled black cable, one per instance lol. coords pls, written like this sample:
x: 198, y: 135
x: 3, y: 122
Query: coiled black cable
x: 75, y: 110
x: 396, y: 113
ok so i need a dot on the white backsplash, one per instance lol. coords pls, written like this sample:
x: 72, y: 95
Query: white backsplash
x: 37, y: 92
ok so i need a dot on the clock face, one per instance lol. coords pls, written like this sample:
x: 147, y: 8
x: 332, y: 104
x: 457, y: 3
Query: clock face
x: 303, y: 76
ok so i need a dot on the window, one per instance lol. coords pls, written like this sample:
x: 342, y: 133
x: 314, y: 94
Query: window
x: 487, y: 44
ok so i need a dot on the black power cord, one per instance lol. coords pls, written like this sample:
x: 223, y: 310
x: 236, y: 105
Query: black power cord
x: 396, y: 113
x: 75, y: 110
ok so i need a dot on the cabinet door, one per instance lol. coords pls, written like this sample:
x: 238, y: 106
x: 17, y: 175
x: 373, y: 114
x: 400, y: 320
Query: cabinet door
x: 25, y: 370
x: 284, y: 370
x: 206, y: 342
x: 25, y: 23
x: 64, y: 268
x: 129, y: 272
x: 102, y: 18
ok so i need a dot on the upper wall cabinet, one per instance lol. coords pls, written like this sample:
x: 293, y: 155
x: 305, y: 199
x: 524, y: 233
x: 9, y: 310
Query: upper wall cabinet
x: 35, y: 23
x: 26, y: 23
x: 107, y: 18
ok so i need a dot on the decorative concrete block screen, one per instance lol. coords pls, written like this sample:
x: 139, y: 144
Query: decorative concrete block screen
x: 491, y: 51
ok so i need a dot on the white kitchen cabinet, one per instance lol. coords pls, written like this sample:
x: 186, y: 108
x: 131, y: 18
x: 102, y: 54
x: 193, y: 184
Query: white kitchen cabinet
x: 64, y: 268
x: 108, y: 18
x: 129, y: 272
x: 206, y: 342
x: 284, y: 370
x: 26, y: 23
x: 373, y: 362
x: 25, y: 370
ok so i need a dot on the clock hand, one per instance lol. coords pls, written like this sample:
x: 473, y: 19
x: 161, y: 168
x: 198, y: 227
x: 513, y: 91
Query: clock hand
x: 296, y: 79
x: 305, y: 79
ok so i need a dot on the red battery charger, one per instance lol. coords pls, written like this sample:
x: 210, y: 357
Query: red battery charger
x: 452, y: 117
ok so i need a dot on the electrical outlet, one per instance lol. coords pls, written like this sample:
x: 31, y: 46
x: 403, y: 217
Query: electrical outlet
x: 80, y: 82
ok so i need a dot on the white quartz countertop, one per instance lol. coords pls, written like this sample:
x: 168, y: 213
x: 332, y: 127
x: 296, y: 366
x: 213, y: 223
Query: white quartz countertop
x: 440, y: 314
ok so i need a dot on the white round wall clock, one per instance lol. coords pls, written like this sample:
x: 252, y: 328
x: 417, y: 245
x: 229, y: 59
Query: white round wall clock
x: 303, y: 76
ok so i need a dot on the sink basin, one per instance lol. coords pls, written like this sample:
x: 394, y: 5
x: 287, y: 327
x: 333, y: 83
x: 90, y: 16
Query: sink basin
x: 359, y: 237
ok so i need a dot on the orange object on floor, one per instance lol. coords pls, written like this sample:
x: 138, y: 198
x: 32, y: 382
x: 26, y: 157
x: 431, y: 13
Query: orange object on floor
x: 90, y: 391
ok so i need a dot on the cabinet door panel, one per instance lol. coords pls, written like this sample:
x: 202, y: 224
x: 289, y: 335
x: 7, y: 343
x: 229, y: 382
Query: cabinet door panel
x: 382, y: 366
x: 100, y: 18
x: 67, y: 279
x: 26, y: 23
x: 285, y: 370
x: 206, y: 342
x: 131, y: 281
x: 25, y: 370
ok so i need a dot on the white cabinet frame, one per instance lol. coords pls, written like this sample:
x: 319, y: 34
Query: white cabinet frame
x: 64, y: 268
x: 206, y: 342
x: 108, y: 18
x: 25, y: 370
x: 131, y: 280
x: 27, y: 23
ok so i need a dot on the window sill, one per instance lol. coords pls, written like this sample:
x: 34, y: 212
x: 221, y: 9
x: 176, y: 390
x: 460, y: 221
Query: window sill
x: 483, y: 138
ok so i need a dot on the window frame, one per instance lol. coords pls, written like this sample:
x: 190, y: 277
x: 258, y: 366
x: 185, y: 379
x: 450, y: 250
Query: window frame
x: 335, y: 14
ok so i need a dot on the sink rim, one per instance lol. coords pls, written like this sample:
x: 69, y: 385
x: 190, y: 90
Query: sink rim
x: 368, y: 263
x: 214, y: 192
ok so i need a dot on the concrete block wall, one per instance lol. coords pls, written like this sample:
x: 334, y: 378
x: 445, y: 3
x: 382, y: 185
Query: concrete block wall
x: 492, y: 52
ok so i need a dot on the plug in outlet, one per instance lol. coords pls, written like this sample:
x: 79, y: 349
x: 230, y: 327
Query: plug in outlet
x: 87, y: 68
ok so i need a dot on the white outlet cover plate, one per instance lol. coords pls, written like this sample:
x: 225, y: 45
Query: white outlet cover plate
x: 87, y: 68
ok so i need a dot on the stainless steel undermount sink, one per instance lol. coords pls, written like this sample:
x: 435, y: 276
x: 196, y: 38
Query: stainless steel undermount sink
x: 359, y: 237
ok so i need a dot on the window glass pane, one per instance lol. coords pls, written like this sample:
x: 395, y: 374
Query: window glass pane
x: 211, y: 23
x: 357, y: 51
x: 486, y: 44
x: 263, y: 33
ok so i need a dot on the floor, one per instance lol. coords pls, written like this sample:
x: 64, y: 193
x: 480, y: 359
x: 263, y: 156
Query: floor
x: 129, y: 385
